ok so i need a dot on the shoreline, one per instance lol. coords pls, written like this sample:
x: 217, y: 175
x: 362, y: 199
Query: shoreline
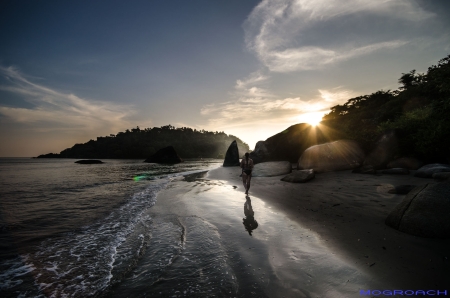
x: 323, y: 238
x: 347, y: 211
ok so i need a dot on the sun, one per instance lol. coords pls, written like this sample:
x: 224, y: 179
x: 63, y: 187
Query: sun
x: 312, y: 118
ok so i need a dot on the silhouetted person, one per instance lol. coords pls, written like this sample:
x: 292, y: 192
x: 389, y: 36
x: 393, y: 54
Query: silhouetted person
x: 247, y: 167
x: 249, y: 221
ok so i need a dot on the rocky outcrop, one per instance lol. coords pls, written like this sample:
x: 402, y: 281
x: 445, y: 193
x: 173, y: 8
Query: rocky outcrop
x: 232, y: 156
x: 383, y: 152
x: 290, y: 143
x: 89, y: 161
x: 409, y: 163
x: 300, y: 176
x: 424, y: 212
x: 334, y: 156
x: 165, y: 155
x: 396, y: 171
x: 427, y: 171
x: 271, y: 168
x: 260, y: 154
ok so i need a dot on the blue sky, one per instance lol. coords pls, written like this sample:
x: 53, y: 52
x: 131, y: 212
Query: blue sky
x: 72, y: 71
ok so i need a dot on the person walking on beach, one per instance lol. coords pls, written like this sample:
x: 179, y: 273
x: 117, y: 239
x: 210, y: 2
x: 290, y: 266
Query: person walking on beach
x: 247, y: 167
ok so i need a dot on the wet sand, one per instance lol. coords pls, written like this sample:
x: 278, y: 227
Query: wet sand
x: 324, y: 238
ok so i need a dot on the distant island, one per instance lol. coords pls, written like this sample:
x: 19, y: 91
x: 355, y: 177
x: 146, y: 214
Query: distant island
x: 141, y: 143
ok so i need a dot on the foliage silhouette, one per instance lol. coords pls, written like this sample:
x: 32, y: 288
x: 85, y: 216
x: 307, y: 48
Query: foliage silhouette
x: 142, y: 143
x: 418, y: 112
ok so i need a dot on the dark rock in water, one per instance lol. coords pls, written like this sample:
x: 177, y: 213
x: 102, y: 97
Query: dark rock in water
x: 427, y: 171
x: 384, y: 151
x: 232, y: 156
x: 290, y: 143
x: 409, y: 163
x: 89, y: 161
x: 300, y: 176
x: 49, y: 155
x: 402, y: 189
x: 365, y: 170
x: 334, y: 156
x: 396, y: 171
x: 272, y: 168
x: 260, y: 154
x: 165, y: 155
x: 424, y: 212
x: 442, y: 176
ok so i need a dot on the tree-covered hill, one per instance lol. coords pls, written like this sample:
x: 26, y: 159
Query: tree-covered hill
x: 142, y: 143
x: 419, y: 112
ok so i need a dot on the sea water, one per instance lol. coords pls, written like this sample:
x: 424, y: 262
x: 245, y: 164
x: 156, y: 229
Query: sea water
x: 74, y: 230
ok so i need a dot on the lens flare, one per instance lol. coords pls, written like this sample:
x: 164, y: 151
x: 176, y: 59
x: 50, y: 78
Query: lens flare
x: 139, y: 177
x: 312, y: 118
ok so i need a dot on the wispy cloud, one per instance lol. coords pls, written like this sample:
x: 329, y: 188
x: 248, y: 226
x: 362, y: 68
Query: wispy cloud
x: 275, y: 30
x: 247, y: 110
x: 55, y: 110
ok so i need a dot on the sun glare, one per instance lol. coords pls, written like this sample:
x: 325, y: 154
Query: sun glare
x: 313, y: 118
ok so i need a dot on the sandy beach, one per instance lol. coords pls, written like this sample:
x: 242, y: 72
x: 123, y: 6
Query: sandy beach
x: 324, y: 238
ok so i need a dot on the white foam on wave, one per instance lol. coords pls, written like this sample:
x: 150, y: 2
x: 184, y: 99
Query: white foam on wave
x: 13, y: 270
x: 82, y: 263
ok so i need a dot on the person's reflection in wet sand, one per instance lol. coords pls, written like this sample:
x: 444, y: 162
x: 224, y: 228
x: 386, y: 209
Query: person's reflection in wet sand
x: 249, y: 221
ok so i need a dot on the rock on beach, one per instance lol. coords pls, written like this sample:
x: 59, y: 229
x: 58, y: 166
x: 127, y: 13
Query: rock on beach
x: 272, y: 168
x: 232, y: 155
x: 300, y: 176
x: 334, y: 156
x: 424, y: 212
x: 427, y: 171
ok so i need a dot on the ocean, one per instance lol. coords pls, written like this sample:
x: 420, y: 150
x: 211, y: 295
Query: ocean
x: 74, y: 230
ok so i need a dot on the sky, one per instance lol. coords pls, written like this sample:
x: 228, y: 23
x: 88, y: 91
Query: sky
x: 71, y: 71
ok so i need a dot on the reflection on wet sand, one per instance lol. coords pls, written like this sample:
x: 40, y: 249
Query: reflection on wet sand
x: 249, y: 221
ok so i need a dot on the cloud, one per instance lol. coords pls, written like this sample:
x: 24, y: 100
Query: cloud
x: 260, y: 111
x: 335, y: 96
x: 276, y: 30
x: 55, y: 110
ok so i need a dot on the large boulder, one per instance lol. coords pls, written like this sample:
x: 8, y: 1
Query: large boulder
x: 334, y: 156
x: 232, y: 156
x: 165, y: 155
x: 384, y: 151
x: 271, y: 168
x: 290, y: 143
x: 300, y: 176
x: 409, y: 163
x: 424, y: 212
x: 427, y: 171
x: 260, y: 154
